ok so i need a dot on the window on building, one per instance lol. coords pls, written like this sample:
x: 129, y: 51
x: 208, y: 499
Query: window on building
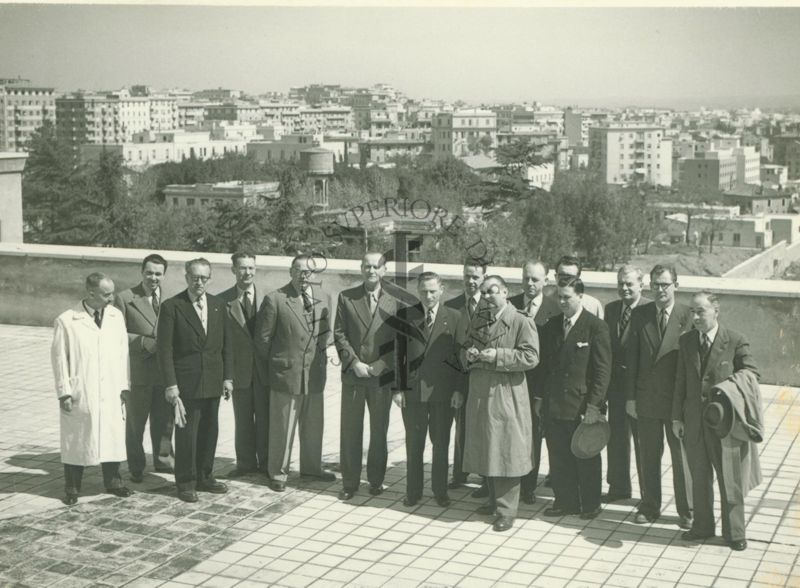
x: 737, y: 239
x: 204, y: 201
x: 174, y: 202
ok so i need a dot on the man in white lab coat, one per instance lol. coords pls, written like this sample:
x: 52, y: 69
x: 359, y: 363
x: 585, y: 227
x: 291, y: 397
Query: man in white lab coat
x: 90, y: 365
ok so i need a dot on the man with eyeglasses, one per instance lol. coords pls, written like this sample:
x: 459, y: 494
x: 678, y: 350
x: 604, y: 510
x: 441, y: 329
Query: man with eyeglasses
x: 196, y: 358
x: 293, y: 330
x: 652, y: 359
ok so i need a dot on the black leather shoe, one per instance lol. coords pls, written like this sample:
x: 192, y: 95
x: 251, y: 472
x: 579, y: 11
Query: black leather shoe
x: 740, y: 545
x: 528, y: 497
x: 684, y: 522
x: 503, y: 524
x: 482, y: 492
x: 614, y: 497
x: 188, y: 495
x: 346, y: 494
x: 694, y: 536
x: 376, y: 490
x: 122, y: 491
x: 165, y: 470
x: 277, y: 485
x: 443, y: 501
x: 486, y: 509
x: 137, y: 478
x: 71, y: 499
x: 558, y: 512
x: 409, y: 501
x: 592, y: 514
x: 213, y: 486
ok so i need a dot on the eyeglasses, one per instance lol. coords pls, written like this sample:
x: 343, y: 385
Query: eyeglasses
x: 661, y: 285
x: 202, y: 279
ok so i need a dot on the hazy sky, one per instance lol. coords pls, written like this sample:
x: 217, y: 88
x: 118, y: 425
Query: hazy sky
x: 617, y: 55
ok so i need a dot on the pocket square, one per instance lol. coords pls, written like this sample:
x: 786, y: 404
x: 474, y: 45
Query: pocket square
x: 582, y: 344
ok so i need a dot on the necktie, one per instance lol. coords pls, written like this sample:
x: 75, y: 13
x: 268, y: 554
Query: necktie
x: 307, y: 303
x: 247, y: 305
x: 531, y: 310
x: 624, y: 319
x: 98, y: 319
x: 567, y: 326
x: 154, y: 302
x: 472, y: 306
x: 429, y: 319
x: 662, y: 322
x: 373, y: 302
x: 199, y: 304
x: 705, y: 344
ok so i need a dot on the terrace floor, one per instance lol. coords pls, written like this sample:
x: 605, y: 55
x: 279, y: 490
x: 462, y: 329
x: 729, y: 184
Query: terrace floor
x: 306, y: 537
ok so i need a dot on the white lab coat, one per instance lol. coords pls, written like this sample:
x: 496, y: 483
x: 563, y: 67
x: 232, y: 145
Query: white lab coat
x: 91, y: 365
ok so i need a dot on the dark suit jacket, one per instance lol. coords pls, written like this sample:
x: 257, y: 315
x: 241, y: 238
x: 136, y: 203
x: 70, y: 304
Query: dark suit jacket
x: 247, y: 369
x: 619, y: 345
x: 295, y: 351
x: 651, y: 362
x: 140, y: 321
x: 362, y: 336
x: 431, y: 378
x: 729, y: 353
x: 459, y: 304
x: 196, y: 361
x: 547, y: 310
x: 577, y: 370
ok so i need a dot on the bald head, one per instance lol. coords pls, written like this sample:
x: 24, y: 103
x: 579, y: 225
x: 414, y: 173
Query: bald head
x: 534, y: 278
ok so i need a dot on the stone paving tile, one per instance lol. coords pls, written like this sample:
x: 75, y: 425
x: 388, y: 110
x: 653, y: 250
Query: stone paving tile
x: 306, y: 537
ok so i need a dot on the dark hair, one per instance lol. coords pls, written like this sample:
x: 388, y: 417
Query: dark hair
x: 154, y: 258
x: 429, y: 276
x: 242, y: 255
x: 569, y: 260
x: 573, y: 282
x: 659, y: 269
x: 472, y: 262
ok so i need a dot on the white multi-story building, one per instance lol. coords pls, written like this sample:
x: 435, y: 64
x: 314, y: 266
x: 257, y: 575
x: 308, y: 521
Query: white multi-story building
x: 626, y: 154
x: 463, y: 132
x: 23, y: 109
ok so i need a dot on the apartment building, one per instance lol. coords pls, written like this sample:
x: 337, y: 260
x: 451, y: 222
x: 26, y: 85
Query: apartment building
x: 238, y: 192
x: 24, y: 108
x: 578, y: 123
x: 721, y: 169
x: 463, y: 132
x: 631, y: 153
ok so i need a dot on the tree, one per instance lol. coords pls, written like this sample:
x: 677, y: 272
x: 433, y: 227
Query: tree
x: 519, y: 155
x: 546, y: 227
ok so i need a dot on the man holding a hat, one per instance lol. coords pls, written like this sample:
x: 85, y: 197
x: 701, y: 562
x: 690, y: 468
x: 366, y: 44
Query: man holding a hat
x: 708, y: 356
x: 577, y: 360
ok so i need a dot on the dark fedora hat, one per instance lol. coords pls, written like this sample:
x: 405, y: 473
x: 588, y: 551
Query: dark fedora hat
x: 718, y: 415
x: 589, y: 440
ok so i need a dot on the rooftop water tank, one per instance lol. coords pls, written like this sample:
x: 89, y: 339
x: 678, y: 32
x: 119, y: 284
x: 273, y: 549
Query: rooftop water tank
x: 317, y: 161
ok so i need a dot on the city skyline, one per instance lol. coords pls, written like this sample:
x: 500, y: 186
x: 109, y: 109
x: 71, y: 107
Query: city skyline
x: 677, y: 57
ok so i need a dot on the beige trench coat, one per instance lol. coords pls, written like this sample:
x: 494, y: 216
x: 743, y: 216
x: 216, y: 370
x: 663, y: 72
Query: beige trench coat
x: 498, y: 415
x: 91, y: 365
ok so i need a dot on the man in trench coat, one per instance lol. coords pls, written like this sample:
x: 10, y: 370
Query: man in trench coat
x: 90, y: 365
x: 497, y: 349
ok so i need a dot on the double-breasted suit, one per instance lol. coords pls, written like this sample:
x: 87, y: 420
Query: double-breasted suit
x: 432, y: 381
x: 650, y: 380
x: 250, y: 396
x: 365, y: 336
x: 294, y: 343
x: 197, y: 361
x: 577, y: 370
x: 146, y: 397
x: 618, y: 451
x: 696, y: 376
x: 540, y: 315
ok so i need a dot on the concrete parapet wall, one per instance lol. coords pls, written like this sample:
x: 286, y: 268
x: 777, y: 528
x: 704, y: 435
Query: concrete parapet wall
x: 37, y: 282
x: 770, y: 262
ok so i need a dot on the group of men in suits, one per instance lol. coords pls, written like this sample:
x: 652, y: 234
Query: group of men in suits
x: 508, y: 372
